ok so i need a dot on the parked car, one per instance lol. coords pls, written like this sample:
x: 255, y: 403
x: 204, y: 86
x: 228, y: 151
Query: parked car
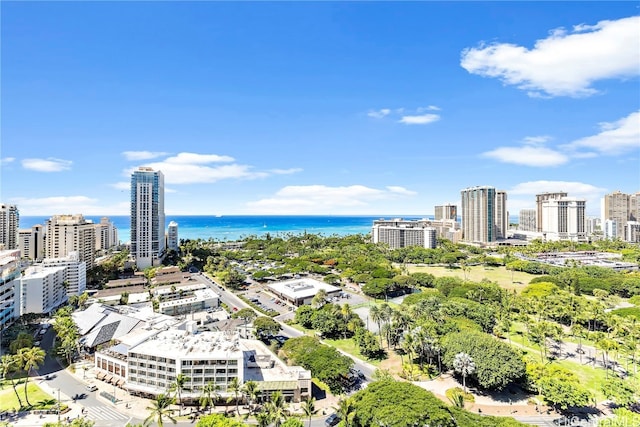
x: 92, y: 387
x: 332, y: 420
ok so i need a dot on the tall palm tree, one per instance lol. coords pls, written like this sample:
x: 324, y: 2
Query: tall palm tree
x: 10, y: 363
x: 309, y: 407
x: 178, y: 386
x: 277, y: 408
x: 376, y: 315
x: 30, y: 358
x: 235, y: 387
x: 463, y: 363
x: 346, y: 411
x: 209, y: 395
x: 159, y: 409
x: 251, y: 389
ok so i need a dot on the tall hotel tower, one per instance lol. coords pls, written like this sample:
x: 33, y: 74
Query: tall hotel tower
x: 9, y: 218
x: 147, y: 217
x: 479, y: 214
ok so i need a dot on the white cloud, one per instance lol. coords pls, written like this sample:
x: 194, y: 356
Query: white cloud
x: 58, y: 205
x: 614, y: 138
x: 316, y: 199
x: 522, y: 195
x: 47, y: 165
x: 564, y: 63
x: 420, y: 119
x: 7, y: 160
x: 195, y: 158
x: 379, y: 114
x: 143, y: 155
x: 285, y: 171
x: 527, y: 155
x: 428, y: 108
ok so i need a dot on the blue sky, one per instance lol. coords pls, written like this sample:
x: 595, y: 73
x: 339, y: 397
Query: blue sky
x: 380, y: 108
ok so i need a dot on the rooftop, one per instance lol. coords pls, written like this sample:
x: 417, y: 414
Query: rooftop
x: 302, y: 288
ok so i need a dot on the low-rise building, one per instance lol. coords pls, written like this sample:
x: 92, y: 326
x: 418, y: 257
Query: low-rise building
x: 42, y: 290
x: 301, y: 291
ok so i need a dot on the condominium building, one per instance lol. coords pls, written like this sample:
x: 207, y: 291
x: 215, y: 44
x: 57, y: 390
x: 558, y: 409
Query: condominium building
x: 9, y: 286
x: 9, y: 219
x: 31, y: 242
x: 399, y: 233
x: 502, y: 215
x: 479, y: 214
x: 147, y: 217
x: 75, y: 275
x: 540, y: 199
x: 42, y: 289
x: 632, y: 232
x: 564, y: 219
x: 172, y: 236
x: 593, y: 225
x: 71, y: 233
x: 616, y: 207
x: 610, y: 229
x: 106, y: 235
x: 527, y: 220
x: 446, y: 212
x: 634, y: 207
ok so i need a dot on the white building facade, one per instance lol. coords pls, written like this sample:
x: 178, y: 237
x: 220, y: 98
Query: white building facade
x: 31, y: 242
x: 75, y: 272
x: 106, y: 235
x: 172, y: 236
x: 42, y: 290
x: 147, y: 217
x: 564, y: 219
x: 527, y: 220
x: 9, y: 286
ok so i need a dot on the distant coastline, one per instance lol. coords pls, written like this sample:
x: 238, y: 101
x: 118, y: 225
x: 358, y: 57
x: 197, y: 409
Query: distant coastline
x: 236, y: 227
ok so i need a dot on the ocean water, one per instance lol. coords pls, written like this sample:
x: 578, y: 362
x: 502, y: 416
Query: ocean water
x: 235, y: 227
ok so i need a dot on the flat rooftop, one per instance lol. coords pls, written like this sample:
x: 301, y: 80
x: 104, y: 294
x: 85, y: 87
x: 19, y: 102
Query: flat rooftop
x: 302, y: 288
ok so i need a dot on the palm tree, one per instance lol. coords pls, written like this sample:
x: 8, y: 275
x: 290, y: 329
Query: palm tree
x: 251, y: 389
x: 463, y: 363
x: 209, y: 395
x: 263, y: 419
x: 309, y: 407
x: 346, y: 411
x: 376, y: 315
x: 10, y: 363
x: 235, y: 387
x: 178, y: 386
x: 276, y: 408
x: 30, y: 358
x: 159, y: 409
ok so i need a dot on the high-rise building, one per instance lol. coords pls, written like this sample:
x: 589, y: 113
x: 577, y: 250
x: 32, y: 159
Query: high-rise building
x: 9, y: 286
x: 42, y: 289
x: 31, y: 242
x: 527, y: 220
x: 610, y: 229
x: 632, y: 232
x: 399, y: 233
x: 172, y: 236
x: 540, y: 199
x: 75, y: 274
x: 564, y: 219
x: 615, y: 206
x: 634, y: 207
x: 479, y: 214
x: 106, y: 235
x: 446, y: 212
x: 502, y: 215
x: 71, y: 233
x: 593, y: 225
x: 147, y: 217
x: 9, y: 219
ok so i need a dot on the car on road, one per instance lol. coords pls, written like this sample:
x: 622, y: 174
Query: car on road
x: 92, y: 387
x: 332, y: 420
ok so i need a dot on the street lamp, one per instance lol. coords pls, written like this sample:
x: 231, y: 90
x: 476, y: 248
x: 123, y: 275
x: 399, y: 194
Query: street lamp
x: 58, y: 406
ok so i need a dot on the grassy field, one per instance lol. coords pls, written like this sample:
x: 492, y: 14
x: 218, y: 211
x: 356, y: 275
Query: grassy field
x: 38, y: 398
x: 505, y: 278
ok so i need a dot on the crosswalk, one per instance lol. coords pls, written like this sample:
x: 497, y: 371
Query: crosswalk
x: 104, y: 413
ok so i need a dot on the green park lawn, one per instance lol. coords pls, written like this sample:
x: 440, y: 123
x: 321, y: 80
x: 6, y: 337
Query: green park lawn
x: 38, y: 398
x: 507, y: 279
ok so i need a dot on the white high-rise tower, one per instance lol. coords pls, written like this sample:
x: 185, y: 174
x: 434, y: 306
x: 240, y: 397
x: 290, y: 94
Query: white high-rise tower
x: 147, y: 217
